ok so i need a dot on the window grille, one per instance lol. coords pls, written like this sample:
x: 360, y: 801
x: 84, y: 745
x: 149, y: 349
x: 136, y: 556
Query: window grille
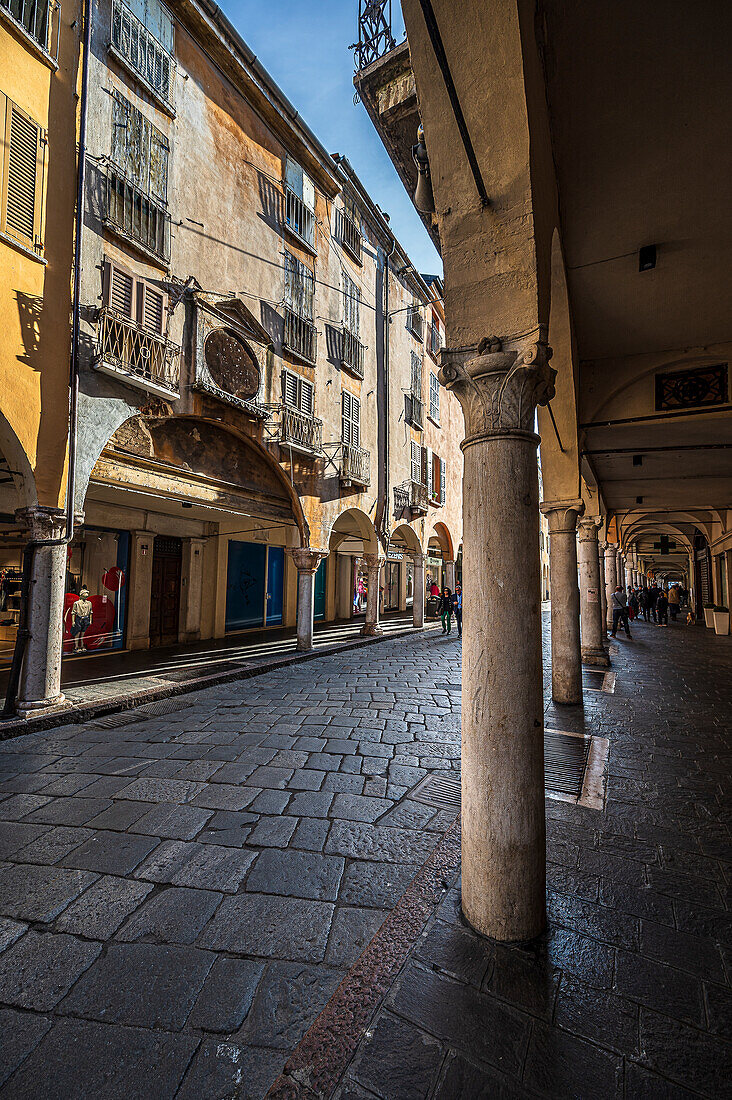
x: 299, y: 287
x: 349, y: 232
x: 434, y: 397
x: 34, y: 16
x: 351, y: 419
x: 414, y: 322
x: 692, y: 388
x: 136, y: 215
x: 435, y: 341
x: 144, y: 38
x: 299, y: 203
x: 351, y: 304
x: 22, y: 166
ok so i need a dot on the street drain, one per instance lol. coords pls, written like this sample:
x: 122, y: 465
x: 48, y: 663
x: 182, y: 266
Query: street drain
x: 573, y: 771
x: 139, y: 714
x: 181, y: 675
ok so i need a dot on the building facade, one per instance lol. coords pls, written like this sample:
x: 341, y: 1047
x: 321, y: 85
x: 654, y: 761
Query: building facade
x: 260, y: 423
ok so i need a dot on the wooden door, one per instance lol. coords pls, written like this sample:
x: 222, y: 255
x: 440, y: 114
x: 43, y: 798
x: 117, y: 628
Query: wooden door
x: 165, y: 594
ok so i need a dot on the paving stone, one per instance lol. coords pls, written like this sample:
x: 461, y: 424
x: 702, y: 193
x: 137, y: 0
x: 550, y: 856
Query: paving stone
x: 100, y: 910
x: 76, y: 810
x: 341, y: 782
x: 270, y: 802
x: 21, y: 1032
x: 224, y: 796
x: 272, y: 927
x: 95, y: 1060
x: 105, y: 786
x: 561, y: 1065
x: 642, y: 1083
x: 311, y: 804
x: 273, y: 832
x: 389, y: 845
x: 18, y: 805
x: 226, y: 1069
x: 355, y: 807
x: 289, y: 998
x: 719, y: 1010
x: 14, y: 836
x: 379, y: 885
x: 39, y: 893
x: 121, y: 815
x: 141, y: 984
x: 604, y: 1018
x: 176, y: 915
x: 173, y: 822
x: 53, y: 845
x: 269, y: 778
x: 397, y: 1061
x: 38, y: 970
x: 700, y: 1062
x: 671, y: 991
x: 697, y: 956
x: 306, y: 779
x: 351, y: 932
x: 227, y: 995
x: 456, y: 951
x: 10, y: 931
x: 228, y: 828
x: 311, y: 834
x: 161, y: 790
x: 296, y: 874
x: 202, y: 866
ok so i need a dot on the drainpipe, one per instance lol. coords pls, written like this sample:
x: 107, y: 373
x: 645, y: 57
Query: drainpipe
x: 382, y: 508
x: 21, y: 638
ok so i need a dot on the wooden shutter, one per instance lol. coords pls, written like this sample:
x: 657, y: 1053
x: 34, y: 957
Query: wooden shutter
x: 119, y: 292
x: 306, y: 397
x: 20, y: 215
x: 430, y: 481
x: 416, y: 462
x: 356, y: 418
x: 351, y: 419
x: 151, y: 308
x: 443, y: 476
x: 424, y: 466
x: 346, y: 417
x: 289, y: 389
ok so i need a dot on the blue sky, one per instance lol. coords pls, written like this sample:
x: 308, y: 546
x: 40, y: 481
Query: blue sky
x: 304, y: 46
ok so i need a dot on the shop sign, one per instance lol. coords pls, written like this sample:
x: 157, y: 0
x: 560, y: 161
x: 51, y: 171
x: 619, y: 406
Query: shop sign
x: 395, y: 555
x: 429, y: 560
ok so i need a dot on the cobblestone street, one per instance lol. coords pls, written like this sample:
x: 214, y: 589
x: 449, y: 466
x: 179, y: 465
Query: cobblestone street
x: 182, y: 894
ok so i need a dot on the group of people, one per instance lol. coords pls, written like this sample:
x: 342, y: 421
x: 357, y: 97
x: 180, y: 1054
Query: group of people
x: 449, y: 604
x: 654, y: 603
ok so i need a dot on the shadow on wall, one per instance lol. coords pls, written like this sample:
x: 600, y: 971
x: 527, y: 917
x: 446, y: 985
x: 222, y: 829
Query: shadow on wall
x: 273, y: 203
x: 333, y: 345
x: 274, y: 323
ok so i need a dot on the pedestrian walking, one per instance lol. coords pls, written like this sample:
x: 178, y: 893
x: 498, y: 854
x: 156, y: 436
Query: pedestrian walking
x: 445, y: 610
x: 674, y: 601
x: 645, y: 602
x: 457, y: 608
x: 653, y: 593
x: 633, y: 605
x: 619, y: 604
x: 662, y: 608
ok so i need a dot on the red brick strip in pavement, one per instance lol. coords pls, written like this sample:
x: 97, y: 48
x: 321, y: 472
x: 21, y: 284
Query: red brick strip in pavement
x: 323, y: 1054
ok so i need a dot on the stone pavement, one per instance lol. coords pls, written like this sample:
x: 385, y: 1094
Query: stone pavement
x: 181, y: 896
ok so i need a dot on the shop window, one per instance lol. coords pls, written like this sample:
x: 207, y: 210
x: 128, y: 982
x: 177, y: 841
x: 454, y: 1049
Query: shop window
x: 21, y: 174
x: 96, y: 591
x: 351, y: 420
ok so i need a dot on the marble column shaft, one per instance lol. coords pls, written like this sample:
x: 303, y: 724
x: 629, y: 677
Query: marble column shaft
x: 591, y: 618
x: 306, y: 562
x: 611, y: 582
x: 40, y: 678
x: 601, y: 547
x: 373, y: 566
x: 418, y: 600
x: 565, y: 601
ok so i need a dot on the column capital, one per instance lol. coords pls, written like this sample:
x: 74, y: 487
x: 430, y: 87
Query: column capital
x: 306, y: 559
x: 373, y: 561
x: 42, y: 523
x: 417, y: 557
x: 588, y: 528
x: 562, y: 515
x: 499, y: 387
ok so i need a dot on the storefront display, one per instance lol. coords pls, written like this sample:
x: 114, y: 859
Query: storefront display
x: 96, y: 591
x: 360, y: 586
x: 254, y: 585
x: 391, y: 585
x: 10, y: 583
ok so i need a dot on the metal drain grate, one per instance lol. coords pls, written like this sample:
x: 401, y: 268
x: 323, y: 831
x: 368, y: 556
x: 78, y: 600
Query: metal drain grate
x: 592, y: 679
x: 181, y: 675
x: 565, y: 762
x: 139, y: 714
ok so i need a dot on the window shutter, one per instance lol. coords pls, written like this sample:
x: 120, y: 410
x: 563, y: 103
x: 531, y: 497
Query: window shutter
x: 346, y: 417
x: 424, y: 465
x: 306, y: 397
x: 159, y: 151
x: 442, y: 480
x: 308, y: 192
x: 120, y: 291
x: 429, y: 473
x: 408, y: 408
x: 23, y: 177
x: 416, y: 462
x: 289, y: 389
x: 151, y: 308
x: 293, y: 177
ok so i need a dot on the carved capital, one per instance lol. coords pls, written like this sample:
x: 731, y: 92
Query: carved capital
x: 562, y: 515
x: 41, y: 523
x: 499, y: 388
x: 307, y: 560
x: 373, y: 562
x: 588, y: 528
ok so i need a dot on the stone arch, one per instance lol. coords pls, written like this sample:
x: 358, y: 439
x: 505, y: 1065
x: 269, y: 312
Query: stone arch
x: 441, y: 532
x: 19, y: 467
x: 406, y: 535
x: 353, y: 523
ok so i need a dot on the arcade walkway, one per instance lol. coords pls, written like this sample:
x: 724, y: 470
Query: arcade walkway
x: 183, y: 896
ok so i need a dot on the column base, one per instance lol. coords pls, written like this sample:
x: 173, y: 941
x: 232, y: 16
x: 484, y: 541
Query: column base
x: 595, y: 655
x: 371, y: 630
x: 304, y: 646
x: 33, y: 708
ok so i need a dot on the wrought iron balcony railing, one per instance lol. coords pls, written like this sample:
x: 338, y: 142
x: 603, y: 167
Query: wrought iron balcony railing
x: 374, y: 31
x: 142, y: 51
x: 292, y: 428
x: 137, y: 216
x: 142, y: 358
x: 352, y: 352
x: 418, y: 498
x: 34, y: 17
x: 355, y: 465
x: 301, y: 337
x: 350, y: 235
x: 415, y: 323
x: 299, y: 219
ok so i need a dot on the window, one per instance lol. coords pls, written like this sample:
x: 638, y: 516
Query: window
x: 139, y: 150
x: 21, y: 170
x: 142, y: 33
x: 348, y: 227
x: 436, y: 471
x: 416, y: 375
x: 297, y: 392
x: 414, y: 321
x: 299, y: 287
x: 416, y: 464
x: 351, y: 419
x: 351, y: 304
x: 299, y: 203
x: 434, y: 398
x: 136, y: 299
x: 33, y: 17
x: 434, y: 342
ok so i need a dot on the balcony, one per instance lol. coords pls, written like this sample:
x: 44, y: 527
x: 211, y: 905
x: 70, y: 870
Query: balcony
x: 414, y: 411
x: 33, y: 18
x: 352, y: 353
x: 415, y: 323
x: 136, y: 217
x: 301, y: 337
x: 355, y: 466
x: 299, y: 220
x: 142, y: 359
x: 140, y: 51
x: 350, y: 235
x: 296, y: 430
x: 418, y: 504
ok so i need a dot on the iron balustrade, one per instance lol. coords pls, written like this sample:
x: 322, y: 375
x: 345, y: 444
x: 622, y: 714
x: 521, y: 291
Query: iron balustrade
x: 34, y: 16
x: 135, y: 43
x: 350, y: 235
x: 301, y: 337
x: 374, y: 31
x: 136, y: 215
x: 130, y: 349
x: 299, y: 219
x: 414, y: 323
x: 291, y: 427
x: 355, y: 464
x: 352, y: 352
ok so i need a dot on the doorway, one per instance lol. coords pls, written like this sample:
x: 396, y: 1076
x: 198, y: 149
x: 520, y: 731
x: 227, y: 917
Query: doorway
x: 165, y: 592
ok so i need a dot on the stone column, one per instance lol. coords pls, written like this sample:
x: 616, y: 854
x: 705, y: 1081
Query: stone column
x: 418, y: 604
x: 449, y: 581
x: 191, y: 589
x: 591, y: 617
x: 628, y: 576
x: 611, y: 562
x: 503, y: 827
x: 565, y: 604
x: 306, y: 562
x: 601, y: 548
x: 138, y: 610
x: 373, y: 565
x: 40, y: 677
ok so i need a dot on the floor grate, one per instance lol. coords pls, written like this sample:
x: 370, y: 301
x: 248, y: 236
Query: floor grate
x: 140, y: 714
x: 565, y: 762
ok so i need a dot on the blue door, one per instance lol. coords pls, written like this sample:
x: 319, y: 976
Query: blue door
x: 245, y: 585
x: 319, y: 596
x: 275, y: 585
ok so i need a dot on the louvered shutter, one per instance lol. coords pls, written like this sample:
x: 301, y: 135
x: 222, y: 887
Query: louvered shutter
x: 120, y: 291
x: 429, y: 473
x: 289, y: 389
x: 442, y: 480
x: 416, y: 462
x: 151, y: 308
x: 22, y: 177
x: 356, y: 418
x: 346, y: 417
x: 306, y: 397
x: 424, y: 466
